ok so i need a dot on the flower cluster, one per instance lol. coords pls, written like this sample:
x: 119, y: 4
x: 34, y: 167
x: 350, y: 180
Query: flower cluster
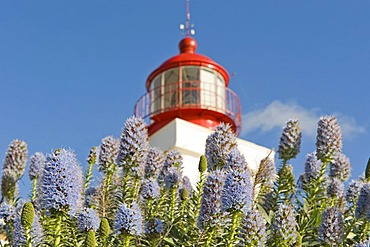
x: 266, y: 172
x: 154, y: 227
x: 134, y: 146
x: 331, y: 230
x: 219, y: 145
x: 283, y: 228
x: 353, y: 190
x: 62, y: 182
x: 129, y: 220
x: 172, y: 178
x: 237, y: 192
x: 340, y: 167
x: 150, y: 189
x: 211, y: 205
x: 363, y: 203
x: 154, y: 163
x: 235, y: 161
x: 87, y: 220
x: 336, y: 188
x: 253, y: 229
x: 16, y: 157
x: 312, y: 167
x: 329, y: 139
x: 7, y: 211
x: 173, y: 159
x: 290, y: 140
x: 143, y: 198
x: 108, y: 153
x: 37, y: 163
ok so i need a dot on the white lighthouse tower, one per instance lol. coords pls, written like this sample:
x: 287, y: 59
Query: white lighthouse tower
x: 187, y: 98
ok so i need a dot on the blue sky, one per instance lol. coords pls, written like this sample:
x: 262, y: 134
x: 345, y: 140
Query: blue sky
x: 71, y: 71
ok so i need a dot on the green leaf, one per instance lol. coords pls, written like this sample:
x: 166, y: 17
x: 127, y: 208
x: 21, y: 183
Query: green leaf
x: 264, y: 214
x: 367, y: 171
x: 169, y: 241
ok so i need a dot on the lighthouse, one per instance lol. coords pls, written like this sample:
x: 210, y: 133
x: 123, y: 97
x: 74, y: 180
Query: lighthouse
x: 187, y: 98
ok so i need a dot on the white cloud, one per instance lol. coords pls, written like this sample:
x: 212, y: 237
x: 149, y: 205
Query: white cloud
x: 277, y: 113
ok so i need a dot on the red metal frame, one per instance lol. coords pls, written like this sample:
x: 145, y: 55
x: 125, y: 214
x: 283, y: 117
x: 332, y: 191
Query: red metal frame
x: 195, y: 104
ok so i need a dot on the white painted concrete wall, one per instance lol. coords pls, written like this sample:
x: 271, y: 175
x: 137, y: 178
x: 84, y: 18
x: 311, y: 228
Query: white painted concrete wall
x: 190, y: 140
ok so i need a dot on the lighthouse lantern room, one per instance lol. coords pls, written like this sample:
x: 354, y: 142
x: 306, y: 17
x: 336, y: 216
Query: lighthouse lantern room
x: 191, y: 87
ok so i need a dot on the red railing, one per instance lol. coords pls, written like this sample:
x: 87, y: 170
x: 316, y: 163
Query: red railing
x: 189, y: 95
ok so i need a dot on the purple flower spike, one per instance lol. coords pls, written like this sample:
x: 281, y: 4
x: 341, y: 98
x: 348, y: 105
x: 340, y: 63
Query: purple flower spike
x: 283, y: 227
x: 88, y: 220
x: 235, y: 161
x: 19, y: 239
x: 108, y: 153
x: 254, y: 229
x: 129, y: 220
x: 173, y: 159
x: 329, y: 139
x: 16, y: 157
x: 172, y: 178
x: 331, y: 230
x: 312, y: 167
x: 150, y: 189
x: 7, y: 212
x: 363, y: 202
x: 353, y: 190
x: 290, y: 140
x: 37, y: 163
x: 154, y: 163
x: 335, y: 188
x: 154, y: 227
x: 134, y: 146
x: 218, y: 145
x: 62, y: 182
x: 340, y: 167
x: 237, y: 192
x: 211, y: 205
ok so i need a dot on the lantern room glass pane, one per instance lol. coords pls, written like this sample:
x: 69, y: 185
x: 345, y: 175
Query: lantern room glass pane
x: 213, y: 90
x: 190, y: 73
x: 190, y: 85
x: 221, y: 92
x: 171, y: 79
x: 156, y: 94
x: 208, y: 87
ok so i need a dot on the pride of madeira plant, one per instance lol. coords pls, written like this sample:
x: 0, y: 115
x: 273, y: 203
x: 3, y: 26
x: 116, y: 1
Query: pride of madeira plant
x: 142, y: 198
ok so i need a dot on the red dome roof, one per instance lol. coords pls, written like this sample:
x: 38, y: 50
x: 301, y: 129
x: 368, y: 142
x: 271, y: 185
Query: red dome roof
x: 189, y: 57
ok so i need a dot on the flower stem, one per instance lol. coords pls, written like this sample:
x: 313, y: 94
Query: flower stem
x: 135, y: 190
x: 173, y: 204
x: 34, y: 185
x: 149, y: 208
x: 209, y: 238
x: 126, y: 243
x: 58, y: 229
x: 88, y: 175
x: 198, y: 195
x: 234, y: 225
x: 28, y: 237
x: 125, y: 186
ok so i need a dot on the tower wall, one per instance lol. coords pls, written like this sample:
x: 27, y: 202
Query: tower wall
x: 190, y: 140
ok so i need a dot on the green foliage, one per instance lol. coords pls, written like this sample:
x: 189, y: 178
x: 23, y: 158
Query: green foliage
x: 367, y: 171
x: 90, y: 239
x: 28, y: 214
x: 202, y: 163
